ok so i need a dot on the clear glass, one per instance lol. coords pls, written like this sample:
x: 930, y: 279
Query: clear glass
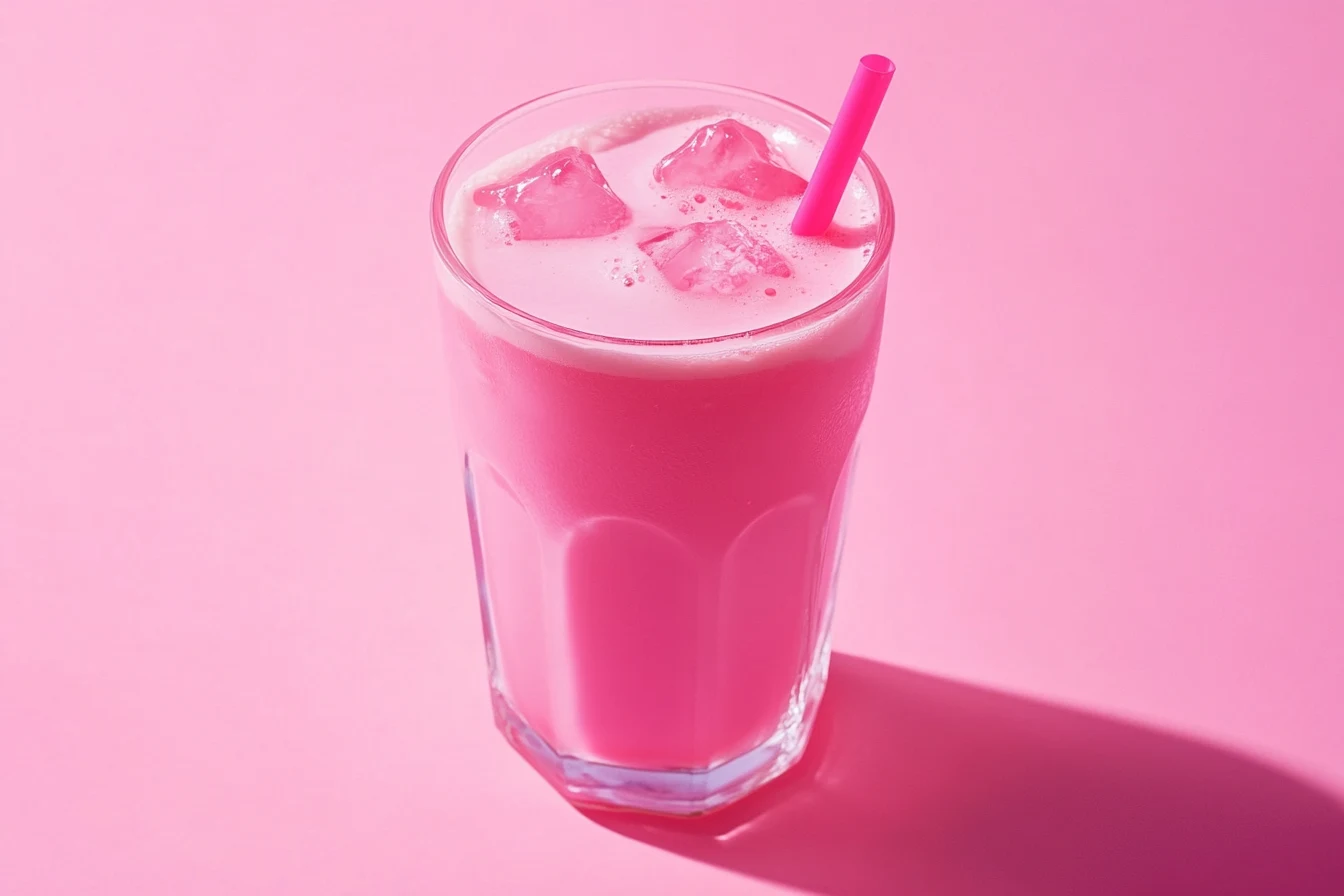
x: 656, y: 525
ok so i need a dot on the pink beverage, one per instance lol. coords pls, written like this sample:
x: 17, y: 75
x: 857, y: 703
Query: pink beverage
x: 658, y: 389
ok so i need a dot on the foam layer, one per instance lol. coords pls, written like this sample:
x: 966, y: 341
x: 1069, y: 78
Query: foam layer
x: 606, y: 286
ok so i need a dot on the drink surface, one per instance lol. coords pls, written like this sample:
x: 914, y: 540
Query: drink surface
x: 607, y: 283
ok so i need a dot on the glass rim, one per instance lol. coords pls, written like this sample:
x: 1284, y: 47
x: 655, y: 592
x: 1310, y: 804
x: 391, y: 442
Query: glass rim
x: 443, y: 245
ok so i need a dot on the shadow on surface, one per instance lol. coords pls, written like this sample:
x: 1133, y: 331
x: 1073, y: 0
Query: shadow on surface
x: 915, y: 784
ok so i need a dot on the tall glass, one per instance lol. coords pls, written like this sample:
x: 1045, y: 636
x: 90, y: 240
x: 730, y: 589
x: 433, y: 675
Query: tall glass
x: 656, y: 525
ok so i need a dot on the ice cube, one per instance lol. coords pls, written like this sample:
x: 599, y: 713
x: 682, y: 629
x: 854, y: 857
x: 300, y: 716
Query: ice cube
x: 563, y: 195
x: 730, y: 155
x: 721, y: 257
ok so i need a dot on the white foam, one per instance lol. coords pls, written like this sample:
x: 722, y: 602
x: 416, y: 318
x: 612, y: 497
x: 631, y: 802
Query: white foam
x: 653, y: 310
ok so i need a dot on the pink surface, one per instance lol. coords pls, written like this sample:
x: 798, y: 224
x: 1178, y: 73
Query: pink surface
x: 239, y: 651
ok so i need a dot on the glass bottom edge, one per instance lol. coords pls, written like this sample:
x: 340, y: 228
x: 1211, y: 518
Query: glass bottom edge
x: 676, y: 792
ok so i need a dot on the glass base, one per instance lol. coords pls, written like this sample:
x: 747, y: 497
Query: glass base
x: 672, y: 791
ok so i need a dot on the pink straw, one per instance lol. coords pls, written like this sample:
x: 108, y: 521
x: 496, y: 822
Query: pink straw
x: 843, y: 147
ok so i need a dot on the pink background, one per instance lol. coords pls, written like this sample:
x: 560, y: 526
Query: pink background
x: 1092, y: 615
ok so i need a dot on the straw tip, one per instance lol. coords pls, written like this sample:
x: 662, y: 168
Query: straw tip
x: 878, y: 64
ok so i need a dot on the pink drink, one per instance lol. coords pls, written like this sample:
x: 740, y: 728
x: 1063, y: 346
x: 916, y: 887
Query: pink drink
x: 658, y: 417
